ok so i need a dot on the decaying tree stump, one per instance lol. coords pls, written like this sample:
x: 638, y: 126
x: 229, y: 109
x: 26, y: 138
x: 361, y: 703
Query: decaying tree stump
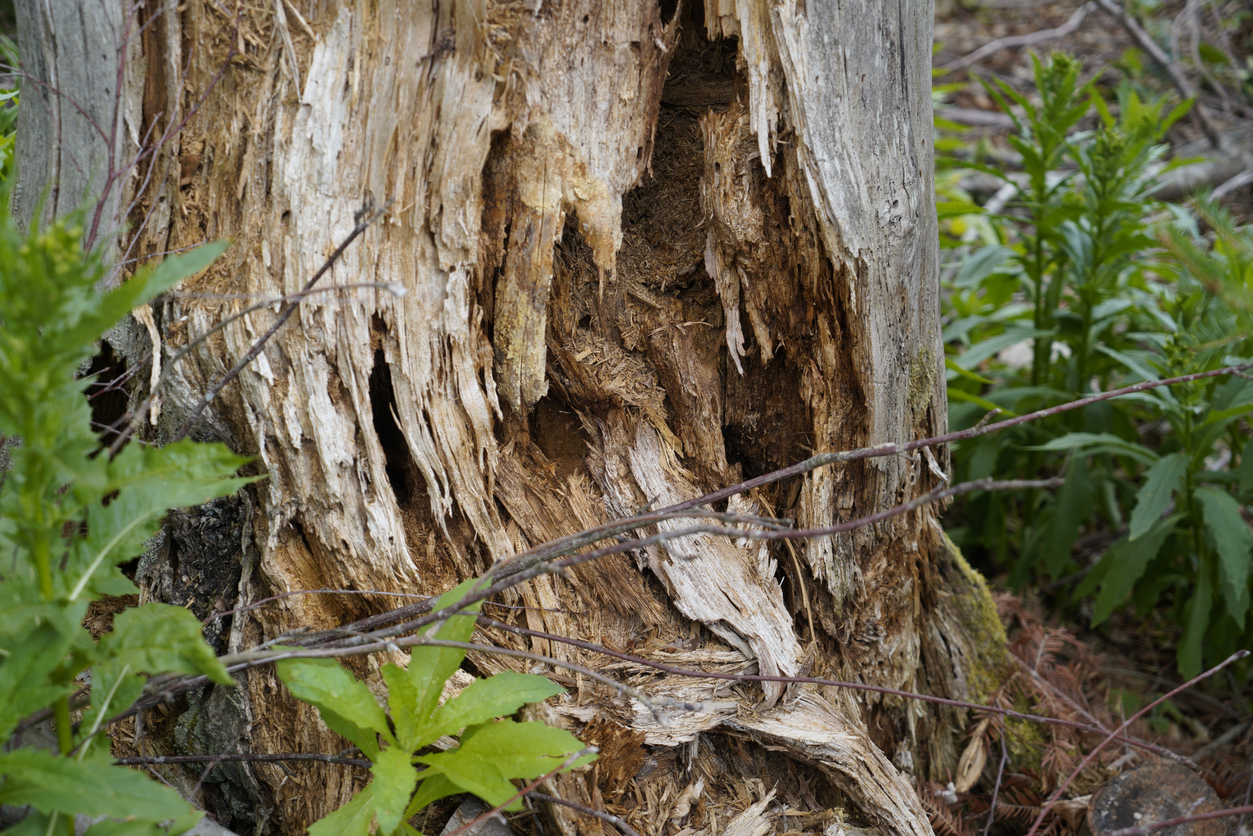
x: 649, y: 250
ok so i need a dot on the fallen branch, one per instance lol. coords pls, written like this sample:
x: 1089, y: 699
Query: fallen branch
x: 1012, y: 41
x: 241, y: 757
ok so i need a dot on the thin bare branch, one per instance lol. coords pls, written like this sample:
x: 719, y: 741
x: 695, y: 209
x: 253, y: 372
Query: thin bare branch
x: 241, y: 757
x: 370, y: 216
x: 996, y: 787
x: 1094, y: 728
x: 1013, y: 41
x: 616, y: 821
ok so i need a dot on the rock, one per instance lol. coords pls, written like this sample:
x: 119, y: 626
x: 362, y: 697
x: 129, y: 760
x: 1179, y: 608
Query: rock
x: 1156, y: 793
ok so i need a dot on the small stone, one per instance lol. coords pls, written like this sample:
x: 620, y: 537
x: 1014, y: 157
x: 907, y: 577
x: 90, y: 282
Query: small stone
x: 1156, y: 793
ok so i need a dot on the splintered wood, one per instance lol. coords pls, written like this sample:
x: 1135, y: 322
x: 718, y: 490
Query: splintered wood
x: 647, y: 252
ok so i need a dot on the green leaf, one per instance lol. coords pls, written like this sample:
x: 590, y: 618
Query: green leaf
x: 492, y: 753
x: 487, y: 699
x: 92, y: 787
x: 523, y: 750
x: 470, y: 772
x: 103, y: 311
x: 1196, y: 614
x: 969, y: 375
x: 1234, y: 542
x: 981, y: 264
x: 175, y: 268
x: 430, y: 667
x: 149, y: 482
x: 1093, y: 443
x: 346, y: 705
x: 27, y: 683
x: 1074, y: 505
x: 1160, y: 483
x: 353, y: 819
x: 1139, y: 368
x: 982, y: 350
x: 160, y: 638
x: 394, y: 781
x: 111, y: 827
x: 434, y: 787
x: 1246, y: 467
x: 115, y: 685
x: 35, y: 824
x: 402, y: 701
x: 1122, y: 566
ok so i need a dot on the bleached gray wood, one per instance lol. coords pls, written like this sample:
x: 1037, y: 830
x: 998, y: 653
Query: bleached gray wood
x: 69, y: 112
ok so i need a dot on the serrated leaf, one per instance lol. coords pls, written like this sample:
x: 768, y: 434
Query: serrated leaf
x: 353, y: 819
x: 26, y: 681
x: 149, y: 482
x: 1074, y: 505
x: 402, y: 702
x: 160, y: 638
x: 487, y: 699
x: 106, y: 309
x: 1160, y: 483
x: 1124, y: 564
x: 346, y: 705
x: 92, y: 787
x: 1234, y: 543
x: 175, y: 268
x: 394, y: 781
x: 115, y: 685
x: 1235, y: 394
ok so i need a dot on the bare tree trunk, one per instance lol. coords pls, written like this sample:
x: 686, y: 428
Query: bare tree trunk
x: 648, y: 252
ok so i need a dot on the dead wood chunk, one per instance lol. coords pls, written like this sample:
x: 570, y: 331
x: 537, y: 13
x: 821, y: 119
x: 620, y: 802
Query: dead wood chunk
x: 1157, y: 793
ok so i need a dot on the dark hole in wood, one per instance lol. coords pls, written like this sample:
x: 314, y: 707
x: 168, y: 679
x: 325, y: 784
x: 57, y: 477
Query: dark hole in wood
x: 107, y: 393
x: 392, y: 440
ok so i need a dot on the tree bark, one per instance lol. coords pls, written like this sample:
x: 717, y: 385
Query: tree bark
x: 648, y: 252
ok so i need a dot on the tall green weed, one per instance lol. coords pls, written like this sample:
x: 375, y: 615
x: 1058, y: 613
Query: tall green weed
x: 1083, y: 284
x: 69, y: 515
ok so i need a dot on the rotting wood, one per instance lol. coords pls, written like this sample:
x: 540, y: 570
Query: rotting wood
x: 647, y: 252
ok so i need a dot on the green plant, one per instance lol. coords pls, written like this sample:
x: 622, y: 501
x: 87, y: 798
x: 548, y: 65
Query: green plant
x: 70, y: 514
x: 68, y: 518
x: 490, y: 752
x: 8, y: 108
x: 1076, y: 276
x: 1187, y: 532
